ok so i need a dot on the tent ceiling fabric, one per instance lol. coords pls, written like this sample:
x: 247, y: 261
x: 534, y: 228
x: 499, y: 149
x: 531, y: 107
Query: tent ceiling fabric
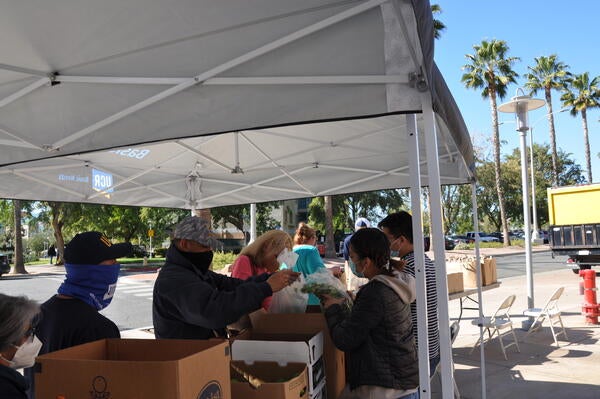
x: 305, y: 98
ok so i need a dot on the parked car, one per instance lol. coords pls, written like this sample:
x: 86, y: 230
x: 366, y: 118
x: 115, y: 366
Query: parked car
x: 138, y: 251
x: 483, y: 237
x: 448, y: 243
x: 458, y: 239
x: 4, y: 263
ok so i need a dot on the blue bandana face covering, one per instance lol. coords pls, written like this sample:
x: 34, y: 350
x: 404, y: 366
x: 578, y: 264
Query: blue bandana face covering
x: 93, y: 284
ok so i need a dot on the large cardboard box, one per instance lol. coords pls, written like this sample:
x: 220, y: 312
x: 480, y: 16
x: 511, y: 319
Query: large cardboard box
x: 136, y: 369
x: 277, y: 382
x: 309, y: 323
x: 258, y: 345
x: 488, y: 273
x: 455, y: 282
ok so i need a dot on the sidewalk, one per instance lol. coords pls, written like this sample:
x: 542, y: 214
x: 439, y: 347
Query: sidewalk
x: 541, y: 370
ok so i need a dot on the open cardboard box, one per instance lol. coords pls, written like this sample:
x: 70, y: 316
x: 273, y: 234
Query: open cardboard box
x: 277, y: 382
x: 309, y: 323
x: 136, y: 368
x: 260, y: 345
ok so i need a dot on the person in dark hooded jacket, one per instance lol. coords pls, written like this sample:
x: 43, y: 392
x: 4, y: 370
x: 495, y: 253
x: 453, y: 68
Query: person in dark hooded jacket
x: 192, y: 302
x: 376, y: 334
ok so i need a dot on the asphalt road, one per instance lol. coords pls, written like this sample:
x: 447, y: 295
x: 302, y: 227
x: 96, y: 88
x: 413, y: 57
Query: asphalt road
x: 132, y: 305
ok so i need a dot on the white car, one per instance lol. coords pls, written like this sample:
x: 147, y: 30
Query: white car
x: 483, y: 237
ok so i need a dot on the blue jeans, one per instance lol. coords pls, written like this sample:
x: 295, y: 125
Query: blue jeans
x: 414, y: 395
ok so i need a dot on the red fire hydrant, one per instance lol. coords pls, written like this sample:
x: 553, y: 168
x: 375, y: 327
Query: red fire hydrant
x: 590, y: 308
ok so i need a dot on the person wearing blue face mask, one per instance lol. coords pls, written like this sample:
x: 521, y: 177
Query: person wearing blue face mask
x: 71, y: 317
x: 354, y: 279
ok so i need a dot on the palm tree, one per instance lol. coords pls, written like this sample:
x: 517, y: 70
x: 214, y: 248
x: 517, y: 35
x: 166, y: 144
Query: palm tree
x: 438, y: 26
x: 491, y: 70
x: 582, y: 94
x: 547, y: 74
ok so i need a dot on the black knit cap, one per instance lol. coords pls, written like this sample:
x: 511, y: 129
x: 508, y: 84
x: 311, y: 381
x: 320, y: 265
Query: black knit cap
x: 92, y: 248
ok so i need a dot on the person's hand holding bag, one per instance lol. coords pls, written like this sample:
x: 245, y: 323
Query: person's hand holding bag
x: 282, y: 279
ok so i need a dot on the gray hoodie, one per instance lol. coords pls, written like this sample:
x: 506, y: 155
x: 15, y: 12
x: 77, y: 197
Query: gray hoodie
x: 402, y: 283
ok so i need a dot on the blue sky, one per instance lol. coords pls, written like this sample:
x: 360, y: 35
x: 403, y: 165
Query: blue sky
x: 531, y: 28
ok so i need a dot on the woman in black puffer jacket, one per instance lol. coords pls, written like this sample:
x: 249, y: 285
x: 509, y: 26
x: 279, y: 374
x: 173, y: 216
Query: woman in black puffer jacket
x: 376, y: 335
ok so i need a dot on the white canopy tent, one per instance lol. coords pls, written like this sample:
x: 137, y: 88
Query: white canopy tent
x: 198, y: 104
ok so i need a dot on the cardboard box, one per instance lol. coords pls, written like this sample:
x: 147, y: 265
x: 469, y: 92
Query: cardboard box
x: 257, y: 345
x: 278, y: 382
x: 455, y: 282
x: 136, y: 368
x: 488, y: 273
x: 335, y: 367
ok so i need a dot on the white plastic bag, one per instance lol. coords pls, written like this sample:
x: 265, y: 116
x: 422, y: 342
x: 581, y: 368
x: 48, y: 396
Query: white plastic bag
x: 290, y: 299
x: 324, y: 282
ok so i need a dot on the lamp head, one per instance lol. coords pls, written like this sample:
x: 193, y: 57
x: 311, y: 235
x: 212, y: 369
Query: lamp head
x: 520, y: 106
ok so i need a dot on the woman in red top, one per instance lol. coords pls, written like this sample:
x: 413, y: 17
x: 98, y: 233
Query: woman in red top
x: 261, y: 257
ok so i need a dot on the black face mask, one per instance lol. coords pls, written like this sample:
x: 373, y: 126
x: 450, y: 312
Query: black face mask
x: 201, y: 260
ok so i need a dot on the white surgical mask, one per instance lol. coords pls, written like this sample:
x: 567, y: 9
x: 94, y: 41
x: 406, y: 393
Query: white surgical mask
x: 25, y: 355
x: 288, y: 257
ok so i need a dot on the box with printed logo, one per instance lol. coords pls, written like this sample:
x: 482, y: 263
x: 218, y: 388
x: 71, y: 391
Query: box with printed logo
x: 136, y: 368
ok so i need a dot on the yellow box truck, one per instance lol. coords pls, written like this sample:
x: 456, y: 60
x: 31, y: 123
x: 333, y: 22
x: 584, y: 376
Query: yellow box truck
x: 574, y: 218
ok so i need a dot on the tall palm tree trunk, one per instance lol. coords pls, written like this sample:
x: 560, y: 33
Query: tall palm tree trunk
x: 586, y: 143
x: 329, y: 244
x: 548, y: 96
x: 499, y: 190
x: 19, y: 266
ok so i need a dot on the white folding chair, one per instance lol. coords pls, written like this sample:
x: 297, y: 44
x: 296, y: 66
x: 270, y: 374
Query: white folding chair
x: 550, y: 311
x: 498, y: 322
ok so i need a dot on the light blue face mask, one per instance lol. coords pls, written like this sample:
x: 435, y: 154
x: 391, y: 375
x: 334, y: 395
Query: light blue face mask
x: 353, y: 268
x: 394, y: 254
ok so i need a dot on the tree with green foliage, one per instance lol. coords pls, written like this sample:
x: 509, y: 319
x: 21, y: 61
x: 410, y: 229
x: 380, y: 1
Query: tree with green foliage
x: 438, y: 26
x: 548, y: 74
x: 239, y: 216
x: 490, y: 69
x: 457, y: 210
x: 582, y: 94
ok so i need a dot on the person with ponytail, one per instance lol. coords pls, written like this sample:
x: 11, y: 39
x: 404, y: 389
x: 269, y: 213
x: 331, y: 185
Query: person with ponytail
x: 309, y: 260
x: 376, y: 334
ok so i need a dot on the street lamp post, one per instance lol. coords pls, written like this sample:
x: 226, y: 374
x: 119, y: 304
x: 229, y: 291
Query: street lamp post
x: 520, y: 106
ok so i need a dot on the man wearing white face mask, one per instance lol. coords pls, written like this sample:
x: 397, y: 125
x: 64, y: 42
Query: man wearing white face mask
x: 71, y: 317
x: 18, y: 344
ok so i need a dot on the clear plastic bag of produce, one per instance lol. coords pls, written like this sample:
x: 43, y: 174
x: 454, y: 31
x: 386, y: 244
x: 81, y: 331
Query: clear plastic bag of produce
x: 291, y: 299
x: 323, y: 282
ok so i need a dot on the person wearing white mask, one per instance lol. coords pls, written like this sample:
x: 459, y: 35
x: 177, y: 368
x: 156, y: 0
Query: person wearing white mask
x: 191, y: 301
x: 18, y: 343
x: 266, y: 254
x: 71, y: 317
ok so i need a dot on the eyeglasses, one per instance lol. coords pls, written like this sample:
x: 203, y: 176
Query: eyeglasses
x: 29, y: 334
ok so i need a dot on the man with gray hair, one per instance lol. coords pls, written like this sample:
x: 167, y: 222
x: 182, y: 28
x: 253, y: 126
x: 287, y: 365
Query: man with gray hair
x: 191, y: 301
x: 18, y: 344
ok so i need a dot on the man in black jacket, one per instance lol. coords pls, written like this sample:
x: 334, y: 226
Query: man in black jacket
x: 192, y: 302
